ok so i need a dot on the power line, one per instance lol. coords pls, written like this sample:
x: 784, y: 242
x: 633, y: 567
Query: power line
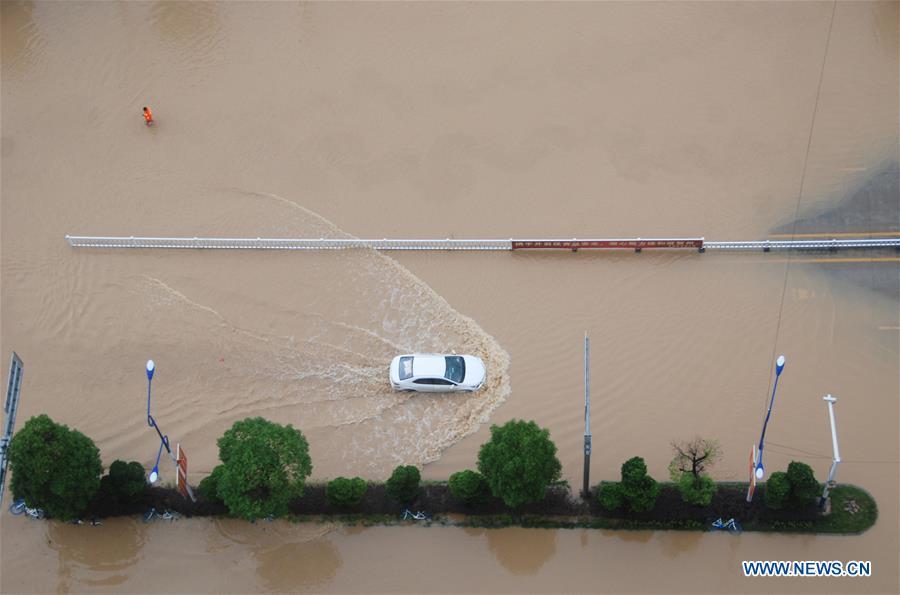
x: 812, y: 126
x: 806, y: 452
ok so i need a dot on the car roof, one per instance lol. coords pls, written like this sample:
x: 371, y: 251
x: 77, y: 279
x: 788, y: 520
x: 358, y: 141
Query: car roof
x: 429, y: 365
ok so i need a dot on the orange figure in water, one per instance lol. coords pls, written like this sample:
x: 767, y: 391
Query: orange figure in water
x: 148, y: 116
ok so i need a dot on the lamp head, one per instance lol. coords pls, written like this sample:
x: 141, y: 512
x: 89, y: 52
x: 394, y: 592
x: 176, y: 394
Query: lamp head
x: 151, y: 367
x: 760, y: 472
x: 154, y: 475
x: 779, y: 365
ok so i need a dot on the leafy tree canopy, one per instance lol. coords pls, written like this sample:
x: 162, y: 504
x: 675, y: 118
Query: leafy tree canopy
x: 689, y: 468
x: 403, y: 484
x: 345, y: 493
x: 638, y: 489
x: 265, y: 466
x: 699, y: 491
x: 127, y: 479
x: 804, y: 486
x: 694, y: 457
x: 209, y: 485
x: 519, y: 462
x: 777, y: 490
x: 54, y: 468
x: 609, y: 495
x: 469, y: 487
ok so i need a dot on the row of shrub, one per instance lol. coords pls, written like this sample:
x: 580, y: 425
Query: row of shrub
x: 264, y: 467
x: 59, y: 470
x: 637, y: 491
x: 516, y: 465
x: 341, y: 493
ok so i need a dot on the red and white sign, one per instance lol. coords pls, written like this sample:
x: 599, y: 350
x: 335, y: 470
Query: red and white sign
x: 752, y: 486
x: 181, y: 473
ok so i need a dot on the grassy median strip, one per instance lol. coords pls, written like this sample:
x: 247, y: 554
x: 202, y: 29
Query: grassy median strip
x: 853, y: 511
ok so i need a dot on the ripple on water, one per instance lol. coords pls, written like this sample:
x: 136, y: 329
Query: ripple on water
x: 322, y: 366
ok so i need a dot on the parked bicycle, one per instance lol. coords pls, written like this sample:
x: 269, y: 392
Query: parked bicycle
x: 165, y: 515
x: 730, y: 525
x: 19, y: 507
x: 418, y: 516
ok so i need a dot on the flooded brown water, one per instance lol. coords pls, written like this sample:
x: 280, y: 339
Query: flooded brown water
x: 444, y: 120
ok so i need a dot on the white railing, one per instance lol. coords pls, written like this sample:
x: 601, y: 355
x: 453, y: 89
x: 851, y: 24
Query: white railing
x: 472, y: 244
x: 823, y: 244
x: 283, y: 243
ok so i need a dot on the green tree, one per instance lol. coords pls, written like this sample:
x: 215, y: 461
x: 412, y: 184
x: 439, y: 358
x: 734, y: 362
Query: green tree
x: 469, y: 487
x: 127, y: 479
x: 697, y: 491
x: 694, y: 457
x: 345, y: 493
x: 778, y: 490
x: 54, y: 468
x: 609, y: 495
x: 209, y: 485
x: 688, y: 469
x: 519, y: 462
x: 124, y: 485
x: 804, y: 486
x: 403, y: 484
x: 639, y: 490
x: 265, y: 466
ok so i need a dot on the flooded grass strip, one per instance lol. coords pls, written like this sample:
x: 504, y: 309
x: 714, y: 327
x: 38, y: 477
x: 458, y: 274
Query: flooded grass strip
x: 853, y: 511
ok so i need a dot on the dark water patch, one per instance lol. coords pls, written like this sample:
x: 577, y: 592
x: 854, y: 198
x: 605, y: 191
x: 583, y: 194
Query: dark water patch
x: 872, y: 208
x: 882, y: 274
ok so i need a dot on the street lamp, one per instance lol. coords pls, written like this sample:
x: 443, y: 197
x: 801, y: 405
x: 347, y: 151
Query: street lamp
x: 151, y: 367
x: 163, y: 440
x: 760, y: 471
x: 836, y: 454
x: 154, y: 475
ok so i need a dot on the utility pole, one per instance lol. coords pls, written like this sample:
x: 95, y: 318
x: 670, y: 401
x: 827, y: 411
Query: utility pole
x: 586, y: 490
x: 829, y: 485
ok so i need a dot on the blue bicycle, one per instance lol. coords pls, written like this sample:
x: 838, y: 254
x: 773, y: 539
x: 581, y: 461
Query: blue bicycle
x: 730, y: 525
x: 19, y: 507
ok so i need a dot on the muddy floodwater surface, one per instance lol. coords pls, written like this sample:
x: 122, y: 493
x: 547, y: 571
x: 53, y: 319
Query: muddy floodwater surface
x: 431, y: 120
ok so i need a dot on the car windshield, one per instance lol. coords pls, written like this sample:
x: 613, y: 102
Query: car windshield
x: 456, y: 368
x: 406, y: 364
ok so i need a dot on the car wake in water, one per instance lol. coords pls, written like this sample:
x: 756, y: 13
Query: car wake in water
x: 308, y: 340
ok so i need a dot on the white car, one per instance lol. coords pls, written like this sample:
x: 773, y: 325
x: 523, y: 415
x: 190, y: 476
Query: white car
x: 434, y: 373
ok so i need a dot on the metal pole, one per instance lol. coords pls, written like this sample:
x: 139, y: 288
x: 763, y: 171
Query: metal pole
x: 151, y: 368
x: 587, y: 418
x: 779, y: 366
x: 164, y: 440
x: 834, y: 447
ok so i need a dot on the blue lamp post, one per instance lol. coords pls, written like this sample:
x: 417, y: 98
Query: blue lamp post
x: 760, y: 471
x: 154, y: 475
x: 163, y: 440
x: 151, y: 367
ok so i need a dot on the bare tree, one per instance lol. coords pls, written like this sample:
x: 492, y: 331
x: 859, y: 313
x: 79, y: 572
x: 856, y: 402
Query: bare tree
x: 693, y: 457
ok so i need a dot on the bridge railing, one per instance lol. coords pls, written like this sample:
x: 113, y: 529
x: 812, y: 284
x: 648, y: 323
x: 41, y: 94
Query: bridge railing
x: 283, y: 243
x: 574, y: 244
x: 823, y: 244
